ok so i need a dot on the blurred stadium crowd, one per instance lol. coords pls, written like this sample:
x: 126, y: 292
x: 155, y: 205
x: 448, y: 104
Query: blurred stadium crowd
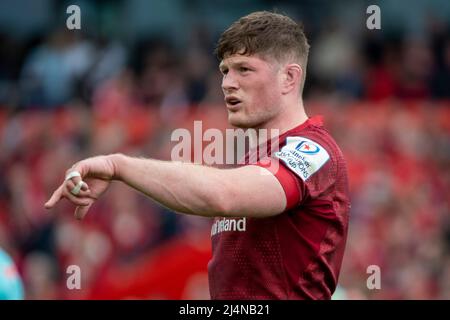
x: 65, y: 95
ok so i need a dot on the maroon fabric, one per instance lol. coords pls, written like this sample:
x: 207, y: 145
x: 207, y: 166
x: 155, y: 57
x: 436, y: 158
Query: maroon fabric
x: 298, y: 253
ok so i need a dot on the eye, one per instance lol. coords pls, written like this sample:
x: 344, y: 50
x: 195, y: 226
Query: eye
x: 243, y: 69
x: 224, y: 71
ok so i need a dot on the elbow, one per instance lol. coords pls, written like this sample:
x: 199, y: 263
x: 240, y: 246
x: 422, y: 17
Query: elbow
x: 222, y: 202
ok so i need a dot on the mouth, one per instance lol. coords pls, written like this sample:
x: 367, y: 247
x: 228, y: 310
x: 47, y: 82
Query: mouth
x: 232, y: 103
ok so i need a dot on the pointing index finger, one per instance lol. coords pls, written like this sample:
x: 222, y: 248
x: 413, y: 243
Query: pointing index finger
x: 56, y: 196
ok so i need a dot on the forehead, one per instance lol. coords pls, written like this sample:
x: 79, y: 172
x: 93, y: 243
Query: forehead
x: 238, y: 59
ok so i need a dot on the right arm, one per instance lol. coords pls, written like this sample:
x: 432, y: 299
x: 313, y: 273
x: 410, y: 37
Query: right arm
x: 183, y: 187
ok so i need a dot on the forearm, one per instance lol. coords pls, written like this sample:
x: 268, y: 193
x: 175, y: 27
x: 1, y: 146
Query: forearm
x: 183, y: 187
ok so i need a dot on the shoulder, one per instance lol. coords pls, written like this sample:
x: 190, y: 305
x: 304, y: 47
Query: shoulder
x: 309, y: 152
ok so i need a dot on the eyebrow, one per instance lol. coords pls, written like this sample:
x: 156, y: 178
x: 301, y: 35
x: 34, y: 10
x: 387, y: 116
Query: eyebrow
x: 233, y: 64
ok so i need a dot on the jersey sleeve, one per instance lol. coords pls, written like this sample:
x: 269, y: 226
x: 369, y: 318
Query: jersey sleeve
x: 302, y: 167
x: 289, y: 182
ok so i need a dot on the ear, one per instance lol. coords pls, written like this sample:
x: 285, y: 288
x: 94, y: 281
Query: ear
x: 292, y: 76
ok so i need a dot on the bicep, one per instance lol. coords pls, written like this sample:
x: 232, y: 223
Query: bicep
x: 253, y: 191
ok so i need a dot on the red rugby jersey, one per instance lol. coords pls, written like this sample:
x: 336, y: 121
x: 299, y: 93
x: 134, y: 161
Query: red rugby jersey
x: 298, y: 253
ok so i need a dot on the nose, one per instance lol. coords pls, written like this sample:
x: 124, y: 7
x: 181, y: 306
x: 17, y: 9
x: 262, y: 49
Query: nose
x: 229, y: 83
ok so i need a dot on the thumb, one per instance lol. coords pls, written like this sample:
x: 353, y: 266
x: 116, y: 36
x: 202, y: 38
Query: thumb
x: 81, y: 211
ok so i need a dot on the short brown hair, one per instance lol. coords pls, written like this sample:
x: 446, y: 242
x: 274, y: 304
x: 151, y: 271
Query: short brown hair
x: 268, y: 34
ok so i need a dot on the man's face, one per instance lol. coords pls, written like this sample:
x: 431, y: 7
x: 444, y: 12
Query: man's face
x: 251, y: 86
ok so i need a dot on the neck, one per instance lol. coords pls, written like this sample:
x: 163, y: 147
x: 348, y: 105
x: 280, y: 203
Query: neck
x: 289, y: 118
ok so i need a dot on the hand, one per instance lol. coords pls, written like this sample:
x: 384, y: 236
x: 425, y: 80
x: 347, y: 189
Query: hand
x: 96, y: 172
